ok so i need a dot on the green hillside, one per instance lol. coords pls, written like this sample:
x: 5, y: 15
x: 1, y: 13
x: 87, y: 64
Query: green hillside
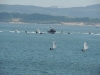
x: 43, y: 19
x: 92, y: 11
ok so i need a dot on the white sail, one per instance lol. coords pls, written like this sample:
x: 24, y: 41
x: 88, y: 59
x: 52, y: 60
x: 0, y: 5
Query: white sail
x: 85, y: 46
x: 37, y: 31
x: 54, y: 44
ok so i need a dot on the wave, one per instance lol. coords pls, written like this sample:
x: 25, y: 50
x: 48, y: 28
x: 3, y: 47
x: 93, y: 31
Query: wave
x: 1, y: 31
x: 88, y: 33
x: 59, y: 32
x: 96, y: 34
x: 16, y: 31
x: 74, y: 33
x: 43, y: 32
x: 12, y: 31
x: 85, y: 33
x: 92, y: 33
x: 31, y: 32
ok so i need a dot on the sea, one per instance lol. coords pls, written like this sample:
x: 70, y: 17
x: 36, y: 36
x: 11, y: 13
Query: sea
x: 29, y: 53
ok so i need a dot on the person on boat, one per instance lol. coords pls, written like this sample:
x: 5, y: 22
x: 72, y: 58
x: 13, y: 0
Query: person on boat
x: 16, y: 31
x: 89, y: 32
x: 68, y: 32
x: 41, y: 33
x: 37, y: 31
x: 25, y: 31
x: 51, y: 48
x: 83, y: 50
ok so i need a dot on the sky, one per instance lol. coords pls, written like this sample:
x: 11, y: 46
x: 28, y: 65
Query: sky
x: 49, y: 3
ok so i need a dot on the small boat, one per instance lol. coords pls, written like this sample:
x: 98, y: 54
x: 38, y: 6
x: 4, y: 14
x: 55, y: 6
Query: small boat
x: 53, y: 45
x: 25, y: 31
x: 89, y: 32
x: 52, y: 30
x: 37, y: 31
x: 16, y: 31
x: 85, y: 47
x: 68, y: 32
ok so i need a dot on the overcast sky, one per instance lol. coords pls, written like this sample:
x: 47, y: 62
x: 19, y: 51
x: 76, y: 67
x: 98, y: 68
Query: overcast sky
x: 49, y: 3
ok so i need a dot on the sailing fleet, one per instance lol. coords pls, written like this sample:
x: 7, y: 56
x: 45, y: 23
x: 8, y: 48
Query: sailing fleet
x: 85, y: 46
x: 52, y: 31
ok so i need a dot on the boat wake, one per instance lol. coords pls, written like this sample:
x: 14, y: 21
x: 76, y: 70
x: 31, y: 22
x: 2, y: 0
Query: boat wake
x: 96, y: 34
x: 16, y: 31
x: 58, y: 32
x: 30, y: 32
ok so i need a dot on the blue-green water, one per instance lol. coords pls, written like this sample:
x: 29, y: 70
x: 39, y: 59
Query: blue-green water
x: 29, y: 54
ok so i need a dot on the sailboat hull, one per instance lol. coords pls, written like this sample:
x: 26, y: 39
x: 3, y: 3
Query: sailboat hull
x: 51, y: 48
x: 83, y: 50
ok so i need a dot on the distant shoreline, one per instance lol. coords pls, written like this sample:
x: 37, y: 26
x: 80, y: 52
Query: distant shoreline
x: 62, y: 23
x: 81, y: 23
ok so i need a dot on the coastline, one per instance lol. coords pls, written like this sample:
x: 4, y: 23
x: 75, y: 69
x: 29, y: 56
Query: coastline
x: 62, y: 23
x: 81, y: 23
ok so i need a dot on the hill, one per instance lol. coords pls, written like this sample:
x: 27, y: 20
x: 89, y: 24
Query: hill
x: 92, y: 11
x: 44, y: 19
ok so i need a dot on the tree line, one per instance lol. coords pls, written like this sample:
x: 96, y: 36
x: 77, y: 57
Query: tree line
x: 42, y: 18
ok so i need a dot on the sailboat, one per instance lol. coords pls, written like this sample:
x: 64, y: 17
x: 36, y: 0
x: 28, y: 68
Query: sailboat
x: 37, y: 31
x: 53, y: 45
x: 85, y: 47
x: 52, y: 30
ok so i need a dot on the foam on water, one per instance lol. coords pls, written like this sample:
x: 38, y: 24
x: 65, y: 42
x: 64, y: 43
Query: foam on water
x: 15, y: 31
x: 31, y: 32
x: 1, y: 31
x: 85, y: 33
x: 12, y: 31
x: 96, y: 34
